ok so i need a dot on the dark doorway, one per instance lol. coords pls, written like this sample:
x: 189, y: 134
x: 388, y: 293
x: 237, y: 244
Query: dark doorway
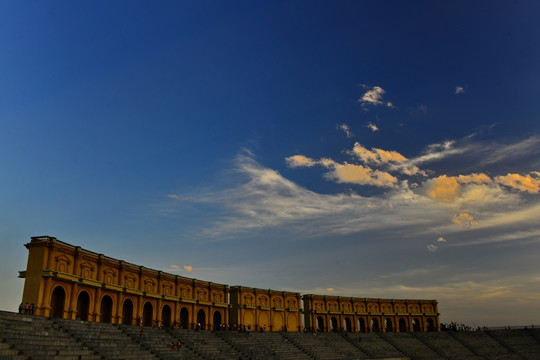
x: 127, y: 312
x: 201, y: 319
x: 166, y: 316
x: 388, y: 326
x: 320, y: 324
x: 106, y: 309
x: 402, y: 325
x: 416, y: 325
x: 375, y: 325
x: 361, y: 325
x: 430, y: 325
x: 184, y: 318
x: 83, y: 306
x: 334, y: 324
x: 217, y: 320
x: 57, y: 302
x: 148, y: 316
x: 347, y: 324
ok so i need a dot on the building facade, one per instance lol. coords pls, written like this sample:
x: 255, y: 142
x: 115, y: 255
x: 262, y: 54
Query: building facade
x: 66, y: 281
x: 266, y: 310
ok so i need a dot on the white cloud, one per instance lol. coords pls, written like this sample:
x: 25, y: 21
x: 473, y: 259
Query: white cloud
x: 374, y: 96
x: 372, y: 127
x: 459, y: 90
x: 346, y: 129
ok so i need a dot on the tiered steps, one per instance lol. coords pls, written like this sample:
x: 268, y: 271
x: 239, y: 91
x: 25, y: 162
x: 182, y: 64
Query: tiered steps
x: 263, y: 346
x: 520, y: 342
x: 159, y: 341
x: 107, y: 339
x: 326, y: 346
x: 373, y: 345
x: 484, y: 345
x: 35, y: 337
x: 208, y: 344
x: 448, y: 346
x: 411, y: 346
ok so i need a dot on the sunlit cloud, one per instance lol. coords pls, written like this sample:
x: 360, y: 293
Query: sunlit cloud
x: 346, y: 129
x: 372, y: 127
x: 520, y: 182
x: 358, y: 174
x: 176, y: 197
x: 442, y: 188
x: 374, y: 96
x: 188, y: 268
x: 176, y: 267
x: 441, y: 240
x: 432, y: 248
x: 330, y: 289
x: 459, y: 90
x: 465, y: 220
x: 300, y: 161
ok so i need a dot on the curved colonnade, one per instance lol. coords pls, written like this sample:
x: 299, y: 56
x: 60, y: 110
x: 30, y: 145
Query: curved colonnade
x: 63, y: 280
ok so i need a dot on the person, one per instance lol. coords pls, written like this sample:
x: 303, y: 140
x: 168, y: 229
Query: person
x: 21, y: 308
x: 178, y: 346
x: 31, y: 309
x: 140, y: 333
x: 26, y: 308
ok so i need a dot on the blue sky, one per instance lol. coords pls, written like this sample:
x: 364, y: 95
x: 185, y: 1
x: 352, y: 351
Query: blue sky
x: 385, y: 149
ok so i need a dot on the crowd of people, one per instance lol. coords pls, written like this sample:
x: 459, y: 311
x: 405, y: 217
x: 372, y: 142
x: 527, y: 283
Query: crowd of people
x: 27, y: 308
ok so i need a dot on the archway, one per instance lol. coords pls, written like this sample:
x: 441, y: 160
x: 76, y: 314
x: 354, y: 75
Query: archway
x: 375, y: 325
x: 333, y: 324
x: 430, y: 325
x: 278, y: 322
x: 166, y: 316
x: 402, y: 325
x: 388, y: 326
x: 58, y: 300
x: 201, y: 319
x: 416, y: 325
x: 361, y: 325
x: 127, y: 312
x: 106, y: 309
x: 292, y: 322
x: 148, y: 316
x: 83, y: 306
x: 184, y: 318
x: 320, y: 324
x: 217, y: 320
x: 347, y: 324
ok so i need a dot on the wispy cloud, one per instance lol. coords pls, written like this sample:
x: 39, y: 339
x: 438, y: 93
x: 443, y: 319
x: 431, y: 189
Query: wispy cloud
x: 459, y: 90
x: 374, y: 97
x: 372, y: 127
x: 346, y: 129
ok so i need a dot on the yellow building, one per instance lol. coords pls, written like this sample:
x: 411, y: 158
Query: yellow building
x: 66, y: 281
x: 266, y: 310
x: 333, y: 313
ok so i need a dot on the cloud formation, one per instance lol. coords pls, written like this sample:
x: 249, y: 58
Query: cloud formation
x: 374, y: 96
x: 459, y: 90
x: 372, y: 127
x: 346, y: 129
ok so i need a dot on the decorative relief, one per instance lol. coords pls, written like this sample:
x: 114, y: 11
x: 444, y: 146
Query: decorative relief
x: 87, y: 270
x: 201, y: 295
x: 291, y: 303
x: 263, y: 301
x: 185, y: 291
x: 217, y: 297
x: 248, y: 300
x: 319, y: 306
x: 277, y: 302
x: 386, y: 308
x: 346, y: 307
x: 167, y: 288
x: 129, y: 281
x: 62, y: 263
x: 108, y: 276
x: 373, y: 308
x: 149, y: 285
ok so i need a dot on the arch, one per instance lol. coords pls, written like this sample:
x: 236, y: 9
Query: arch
x: 184, y: 318
x: 217, y: 320
x: 106, y: 309
x: 375, y: 325
x: 347, y: 324
x: 333, y: 324
x: 402, y: 325
x: 58, y: 300
x: 248, y: 318
x: 83, y: 305
x: 278, y: 322
x: 264, y: 320
x: 320, y: 324
x: 201, y: 318
x: 148, y: 314
x: 292, y: 322
x: 416, y: 325
x: 430, y: 325
x: 127, y: 312
x: 166, y: 316
x: 388, y: 325
x: 361, y: 325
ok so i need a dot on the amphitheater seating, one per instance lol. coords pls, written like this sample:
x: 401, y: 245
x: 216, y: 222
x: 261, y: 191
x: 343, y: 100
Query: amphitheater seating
x: 27, y: 337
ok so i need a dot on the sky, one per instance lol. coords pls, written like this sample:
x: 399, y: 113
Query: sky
x: 372, y: 149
